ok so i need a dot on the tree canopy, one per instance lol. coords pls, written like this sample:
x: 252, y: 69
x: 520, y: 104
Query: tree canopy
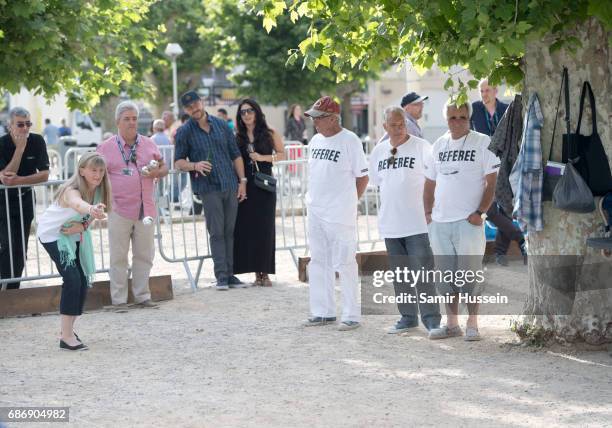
x: 267, y: 69
x: 488, y: 37
x: 179, y: 21
x: 85, y: 48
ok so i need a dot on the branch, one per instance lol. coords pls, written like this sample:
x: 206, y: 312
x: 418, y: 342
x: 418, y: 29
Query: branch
x: 515, y: 11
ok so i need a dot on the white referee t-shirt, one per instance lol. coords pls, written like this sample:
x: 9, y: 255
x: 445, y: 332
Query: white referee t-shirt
x: 459, y: 168
x: 401, y: 182
x: 333, y: 164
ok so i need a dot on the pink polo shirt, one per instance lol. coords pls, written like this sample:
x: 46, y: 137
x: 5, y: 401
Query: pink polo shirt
x: 130, y: 192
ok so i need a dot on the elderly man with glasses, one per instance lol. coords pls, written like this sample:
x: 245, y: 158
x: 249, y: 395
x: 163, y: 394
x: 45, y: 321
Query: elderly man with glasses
x: 23, y: 161
x: 397, y: 167
x: 337, y: 177
x: 131, y: 219
x: 459, y: 188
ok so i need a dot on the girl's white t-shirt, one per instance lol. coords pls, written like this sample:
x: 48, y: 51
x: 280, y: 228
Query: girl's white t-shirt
x: 51, y: 221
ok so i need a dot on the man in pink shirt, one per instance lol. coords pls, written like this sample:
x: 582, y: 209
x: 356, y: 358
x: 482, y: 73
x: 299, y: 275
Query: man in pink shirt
x: 133, y: 191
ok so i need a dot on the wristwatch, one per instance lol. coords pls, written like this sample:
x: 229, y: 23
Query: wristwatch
x: 481, y: 214
x: 244, y: 180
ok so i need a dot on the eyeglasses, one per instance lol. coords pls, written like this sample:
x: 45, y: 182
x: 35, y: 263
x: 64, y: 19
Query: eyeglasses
x: 457, y: 118
x: 27, y: 124
x: 392, y: 157
x: 246, y: 111
x: 323, y: 116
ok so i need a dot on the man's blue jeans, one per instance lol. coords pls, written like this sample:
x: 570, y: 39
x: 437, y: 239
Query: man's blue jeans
x: 414, y: 252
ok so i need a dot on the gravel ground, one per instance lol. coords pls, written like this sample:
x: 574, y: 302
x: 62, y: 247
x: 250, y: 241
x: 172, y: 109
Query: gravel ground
x: 241, y: 358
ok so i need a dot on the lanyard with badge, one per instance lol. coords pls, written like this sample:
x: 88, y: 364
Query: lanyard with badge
x: 128, y: 158
x: 492, y: 121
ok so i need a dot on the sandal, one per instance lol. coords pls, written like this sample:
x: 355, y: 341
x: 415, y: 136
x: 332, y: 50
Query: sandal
x: 258, y: 281
x: 265, y: 280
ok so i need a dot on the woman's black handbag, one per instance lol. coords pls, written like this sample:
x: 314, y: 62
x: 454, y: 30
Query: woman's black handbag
x: 591, y: 159
x: 264, y: 181
x: 552, y: 172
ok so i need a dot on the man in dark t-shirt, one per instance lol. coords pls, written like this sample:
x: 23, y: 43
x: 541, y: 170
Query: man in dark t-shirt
x: 23, y: 161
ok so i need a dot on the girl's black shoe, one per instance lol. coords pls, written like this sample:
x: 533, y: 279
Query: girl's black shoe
x: 79, y: 347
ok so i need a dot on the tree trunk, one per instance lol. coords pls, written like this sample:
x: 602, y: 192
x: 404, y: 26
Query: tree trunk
x: 344, y: 91
x: 347, y: 113
x: 570, y: 285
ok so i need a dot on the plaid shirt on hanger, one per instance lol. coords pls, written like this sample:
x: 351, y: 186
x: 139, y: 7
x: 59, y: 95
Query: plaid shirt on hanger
x: 527, y: 176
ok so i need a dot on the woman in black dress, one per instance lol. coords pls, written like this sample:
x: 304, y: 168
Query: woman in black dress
x: 254, y: 234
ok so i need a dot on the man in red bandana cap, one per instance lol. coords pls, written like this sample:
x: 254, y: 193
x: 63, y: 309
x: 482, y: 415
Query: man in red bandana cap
x: 337, y: 177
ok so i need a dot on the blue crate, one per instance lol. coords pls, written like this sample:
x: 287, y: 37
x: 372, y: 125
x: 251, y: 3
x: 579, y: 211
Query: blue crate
x: 491, y: 230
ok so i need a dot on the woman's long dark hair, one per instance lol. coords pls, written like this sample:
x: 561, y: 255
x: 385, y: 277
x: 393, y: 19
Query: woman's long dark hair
x: 291, y: 110
x: 262, y: 132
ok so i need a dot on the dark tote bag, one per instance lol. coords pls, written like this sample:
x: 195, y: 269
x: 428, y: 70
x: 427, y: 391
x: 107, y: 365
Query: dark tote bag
x: 554, y: 170
x: 591, y: 159
x: 572, y: 193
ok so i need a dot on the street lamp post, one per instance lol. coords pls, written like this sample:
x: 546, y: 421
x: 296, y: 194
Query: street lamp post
x: 173, y: 50
x: 209, y: 83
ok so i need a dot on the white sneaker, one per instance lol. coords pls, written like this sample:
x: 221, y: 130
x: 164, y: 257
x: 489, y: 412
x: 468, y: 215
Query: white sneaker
x: 348, y: 325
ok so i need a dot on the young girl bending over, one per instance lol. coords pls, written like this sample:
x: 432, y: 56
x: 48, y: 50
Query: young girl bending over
x: 63, y: 230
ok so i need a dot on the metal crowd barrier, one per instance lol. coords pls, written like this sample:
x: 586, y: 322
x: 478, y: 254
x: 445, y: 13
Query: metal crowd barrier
x: 37, y: 263
x: 56, y: 165
x: 181, y: 233
x: 180, y: 230
x: 71, y: 159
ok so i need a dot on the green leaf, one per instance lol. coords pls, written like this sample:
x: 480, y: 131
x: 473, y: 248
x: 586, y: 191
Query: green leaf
x: 269, y: 23
x: 522, y: 27
x: 324, y: 60
x: 513, y: 47
x: 304, y: 45
x: 514, y: 75
x: 492, y: 54
x: 449, y: 83
x: 462, y: 97
x: 302, y: 9
x: 602, y: 11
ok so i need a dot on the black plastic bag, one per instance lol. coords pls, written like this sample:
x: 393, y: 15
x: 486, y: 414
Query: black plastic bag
x: 572, y: 193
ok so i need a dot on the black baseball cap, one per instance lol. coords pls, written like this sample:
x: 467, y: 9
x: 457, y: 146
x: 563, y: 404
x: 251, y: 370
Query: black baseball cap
x: 189, y: 97
x: 411, y: 98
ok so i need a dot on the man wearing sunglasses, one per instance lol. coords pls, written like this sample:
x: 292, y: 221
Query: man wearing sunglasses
x: 459, y: 188
x: 23, y: 161
x: 337, y: 177
x: 397, y: 167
